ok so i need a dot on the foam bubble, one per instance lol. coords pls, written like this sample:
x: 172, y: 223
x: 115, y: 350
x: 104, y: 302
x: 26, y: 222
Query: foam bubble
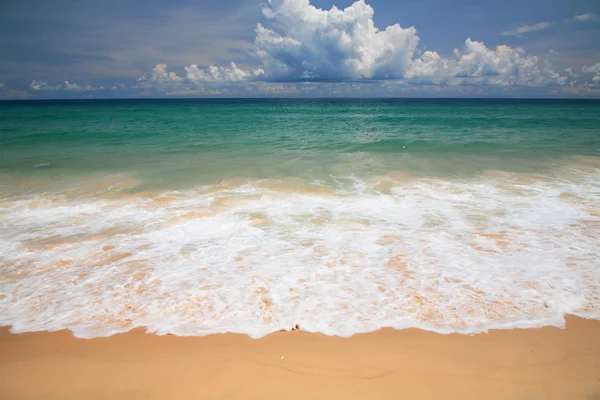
x: 351, y: 255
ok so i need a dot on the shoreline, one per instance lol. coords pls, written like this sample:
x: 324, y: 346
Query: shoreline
x: 534, y: 363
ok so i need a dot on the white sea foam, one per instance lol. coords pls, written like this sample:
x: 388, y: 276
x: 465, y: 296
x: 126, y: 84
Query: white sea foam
x: 497, y: 251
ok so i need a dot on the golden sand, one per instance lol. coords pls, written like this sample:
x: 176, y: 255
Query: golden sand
x: 546, y: 363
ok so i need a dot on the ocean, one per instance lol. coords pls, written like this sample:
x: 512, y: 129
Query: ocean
x: 193, y: 217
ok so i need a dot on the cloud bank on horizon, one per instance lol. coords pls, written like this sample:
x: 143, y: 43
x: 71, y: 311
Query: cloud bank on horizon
x: 303, y: 43
x: 335, y: 44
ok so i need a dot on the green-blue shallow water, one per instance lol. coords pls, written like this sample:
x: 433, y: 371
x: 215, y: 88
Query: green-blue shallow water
x: 341, y: 216
x: 186, y: 142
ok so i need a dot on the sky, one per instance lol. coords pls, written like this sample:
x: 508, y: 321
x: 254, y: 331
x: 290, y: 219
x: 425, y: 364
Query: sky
x: 299, y: 48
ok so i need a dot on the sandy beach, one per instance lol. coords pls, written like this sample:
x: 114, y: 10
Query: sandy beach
x: 545, y: 363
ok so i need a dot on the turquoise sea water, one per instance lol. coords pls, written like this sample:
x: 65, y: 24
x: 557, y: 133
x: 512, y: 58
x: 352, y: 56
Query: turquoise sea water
x: 189, y: 142
x: 202, y: 216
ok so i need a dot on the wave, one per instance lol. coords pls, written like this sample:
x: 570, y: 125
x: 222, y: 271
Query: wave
x: 257, y: 256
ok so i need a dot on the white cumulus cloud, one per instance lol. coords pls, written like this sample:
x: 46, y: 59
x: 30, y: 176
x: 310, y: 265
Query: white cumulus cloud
x: 594, y: 69
x: 219, y: 74
x: 68, y: 86
x: 80, y: 88
x: 570, y: 72
x: 331, y: 44
x: 159, y: 78
x: 519, y: 30
x: 160, y: 74
x: 478, y: 64
x: 345, y: 44
x: 43, y: 86
x: 300, y: 42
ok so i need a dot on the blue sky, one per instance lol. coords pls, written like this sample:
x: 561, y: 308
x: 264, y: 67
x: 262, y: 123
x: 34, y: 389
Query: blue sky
x: 157, y: 48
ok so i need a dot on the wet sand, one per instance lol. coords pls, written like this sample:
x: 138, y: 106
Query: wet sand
x: 546, y: 363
